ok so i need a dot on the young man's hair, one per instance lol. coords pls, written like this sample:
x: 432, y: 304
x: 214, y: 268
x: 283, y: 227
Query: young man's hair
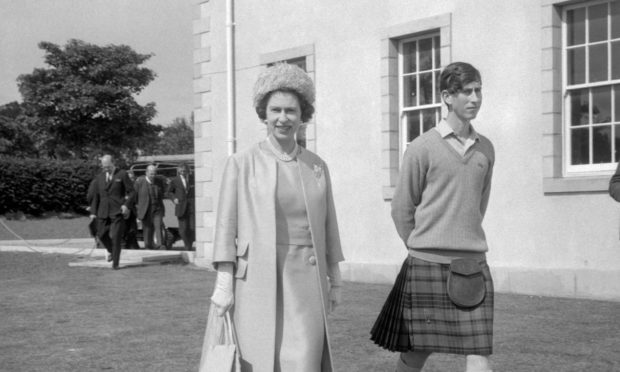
x: 456, y: 75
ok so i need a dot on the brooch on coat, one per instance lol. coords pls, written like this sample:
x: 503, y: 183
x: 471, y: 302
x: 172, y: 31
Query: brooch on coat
x: 318, y: 171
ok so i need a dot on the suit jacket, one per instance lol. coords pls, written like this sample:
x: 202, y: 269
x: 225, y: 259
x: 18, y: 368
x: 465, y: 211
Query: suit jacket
x: 185, y: 195
x: 245, y: 233
x: 106, y: 198
x: 143, y: 196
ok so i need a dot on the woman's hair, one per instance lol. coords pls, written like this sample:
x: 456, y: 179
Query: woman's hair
x: 306, y: 109
x: 283, y: 77
x: 456, y: 75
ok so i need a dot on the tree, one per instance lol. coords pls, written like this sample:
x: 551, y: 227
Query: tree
x: 176, y: 138
x: 15, y: 137
x: 83, y: 105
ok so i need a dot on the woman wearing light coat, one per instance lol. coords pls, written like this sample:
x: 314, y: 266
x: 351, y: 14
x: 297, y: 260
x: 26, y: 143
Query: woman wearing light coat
x: 276, y: 240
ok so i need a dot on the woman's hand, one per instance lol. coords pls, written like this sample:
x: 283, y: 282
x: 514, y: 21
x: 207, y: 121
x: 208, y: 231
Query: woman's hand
x: 335, y: 297
x: 223, y: 297
x: 335, y: 285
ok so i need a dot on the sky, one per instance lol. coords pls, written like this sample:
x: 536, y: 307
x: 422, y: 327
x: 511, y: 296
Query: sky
x: 160, y: 27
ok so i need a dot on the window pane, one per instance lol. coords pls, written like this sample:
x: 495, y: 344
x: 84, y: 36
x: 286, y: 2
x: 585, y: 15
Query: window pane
x: 601, y: 141
x: 426, y: 54
x: 615, y: 59
x: 437, y: 90
x: 576, y: 24
x: 615, y: 19
x: 617, y: 142
x: 426, y: 88
x: 598, y: 63
x: 577, y: 66
x: 597, y: 16
x: 580, y: 146
x: 601, y: 105
x: 579, y: 107
x: 409, y: 64
x: 437, y: 54
x: 617, y: 102
x: 409, y: 91
x: 413, y: 125
x: 428, y: 119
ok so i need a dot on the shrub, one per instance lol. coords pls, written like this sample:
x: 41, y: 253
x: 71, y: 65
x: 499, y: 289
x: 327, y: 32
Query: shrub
x: 36, y: 186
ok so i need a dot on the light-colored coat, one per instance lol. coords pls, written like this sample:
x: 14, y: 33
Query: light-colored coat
x: 246, y: 234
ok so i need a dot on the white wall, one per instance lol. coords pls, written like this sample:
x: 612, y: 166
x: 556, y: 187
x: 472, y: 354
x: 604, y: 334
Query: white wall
x: 556, y: 244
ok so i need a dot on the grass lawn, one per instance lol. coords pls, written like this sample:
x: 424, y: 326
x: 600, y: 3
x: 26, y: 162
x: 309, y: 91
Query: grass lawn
x: 45, y: 228
x: 61, y: 318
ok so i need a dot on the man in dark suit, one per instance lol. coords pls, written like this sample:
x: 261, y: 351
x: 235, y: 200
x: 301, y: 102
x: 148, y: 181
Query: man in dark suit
x: 110, y: 199
x: 150, y: 190
x: 181, y: 192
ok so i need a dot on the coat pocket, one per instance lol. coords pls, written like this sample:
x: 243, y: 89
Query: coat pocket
x: 242, y: 259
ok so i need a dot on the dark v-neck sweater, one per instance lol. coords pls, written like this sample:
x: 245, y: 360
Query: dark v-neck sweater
x: 441, y: 197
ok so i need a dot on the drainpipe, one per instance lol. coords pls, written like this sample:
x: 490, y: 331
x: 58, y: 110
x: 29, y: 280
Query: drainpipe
x: 230, y: 76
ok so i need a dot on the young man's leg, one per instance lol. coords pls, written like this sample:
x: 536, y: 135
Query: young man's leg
x: 478, y: 363
x: 412, y: 361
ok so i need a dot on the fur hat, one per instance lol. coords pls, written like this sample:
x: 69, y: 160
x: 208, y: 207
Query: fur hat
x: 283, y: 76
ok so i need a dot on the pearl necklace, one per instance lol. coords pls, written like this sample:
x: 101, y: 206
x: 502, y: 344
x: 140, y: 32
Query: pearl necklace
x: 283, y: 155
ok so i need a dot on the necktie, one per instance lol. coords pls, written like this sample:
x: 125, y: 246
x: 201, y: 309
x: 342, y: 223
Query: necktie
x: 108, y: 177
x: 183, y: 180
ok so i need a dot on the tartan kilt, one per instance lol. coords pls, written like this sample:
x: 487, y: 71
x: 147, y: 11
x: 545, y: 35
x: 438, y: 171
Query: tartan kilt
x: 418, y: 315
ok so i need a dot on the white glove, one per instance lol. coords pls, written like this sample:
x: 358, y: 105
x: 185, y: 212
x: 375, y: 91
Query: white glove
x: 223, y: 296
x: 335, y: 285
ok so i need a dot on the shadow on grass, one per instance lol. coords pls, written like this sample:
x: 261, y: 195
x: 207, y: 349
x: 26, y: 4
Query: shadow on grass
x: 152, y: 318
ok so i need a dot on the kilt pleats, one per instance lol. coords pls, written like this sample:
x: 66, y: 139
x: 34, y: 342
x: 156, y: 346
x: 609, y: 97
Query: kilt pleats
x: 418, y: 315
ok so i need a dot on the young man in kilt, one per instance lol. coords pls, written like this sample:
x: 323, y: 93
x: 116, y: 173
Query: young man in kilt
x: 440, y: 200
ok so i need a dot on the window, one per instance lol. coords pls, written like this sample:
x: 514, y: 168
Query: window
x: 411, y: 57
x: 591, y: 86
x: 418, y: 76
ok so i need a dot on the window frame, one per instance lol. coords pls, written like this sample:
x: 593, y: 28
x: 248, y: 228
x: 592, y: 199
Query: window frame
x: 435, y: 70
x: 555, y: 180
x: 390, y: 115
x: 591, y: 169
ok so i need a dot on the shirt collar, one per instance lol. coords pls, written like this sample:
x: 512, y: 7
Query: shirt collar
x: 445, y: 130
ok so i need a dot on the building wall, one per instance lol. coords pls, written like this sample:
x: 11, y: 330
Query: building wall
x: 542, y: 240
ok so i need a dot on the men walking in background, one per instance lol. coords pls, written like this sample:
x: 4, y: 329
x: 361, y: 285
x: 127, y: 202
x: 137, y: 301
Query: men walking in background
x: 181, y: 192
x: 150, y: 208
x: 110, y: 195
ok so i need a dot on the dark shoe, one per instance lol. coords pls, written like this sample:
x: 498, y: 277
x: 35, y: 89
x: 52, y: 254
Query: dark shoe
x: 109, y: 258
x: 115, y: 267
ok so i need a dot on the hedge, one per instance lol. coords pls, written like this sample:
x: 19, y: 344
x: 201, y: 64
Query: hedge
x: 36, y: 186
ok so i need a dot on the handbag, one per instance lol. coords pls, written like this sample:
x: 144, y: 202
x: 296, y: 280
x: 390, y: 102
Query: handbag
x: 466, y: 287
x: 219, y: 352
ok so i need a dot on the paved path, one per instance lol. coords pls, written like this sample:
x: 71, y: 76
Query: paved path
x: 90, y: 256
